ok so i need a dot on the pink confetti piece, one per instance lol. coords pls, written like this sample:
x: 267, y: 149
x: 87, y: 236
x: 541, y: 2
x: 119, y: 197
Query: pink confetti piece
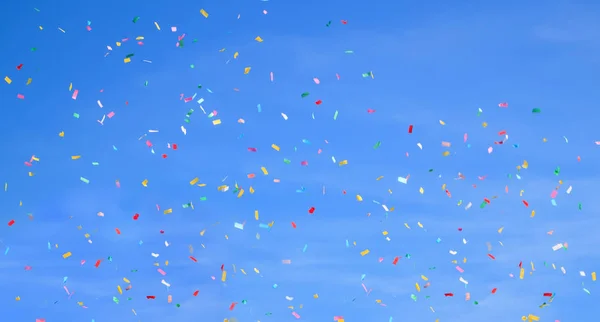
x: 465, y: 137
x: 317, y: 81
x: 40, y: 320
x: 296, y: 315
x: 82, y: 262
x: 370, y: 111
x: 553, y: 194
x: 110, y: 115
x: 380, y: 259
x: 21, y: 96
x: 75, y: 93
x: 490, y: 149
x: 163, y: 273
x: 88, y: 28
x: 304, y: 163
x: 66, y: 290
x: 174, y: 29
x: 272, y: 76
x: 338, y: 317
x: 27, y: 268
x: 458, y: 268
x: 337, y: 76
x: 503, y: 104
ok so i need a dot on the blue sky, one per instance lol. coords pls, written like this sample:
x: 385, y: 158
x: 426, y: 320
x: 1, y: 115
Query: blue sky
x: 430, y: 62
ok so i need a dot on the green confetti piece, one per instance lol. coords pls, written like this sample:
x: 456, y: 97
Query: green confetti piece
x: 351, y: 52
x: 192, y: 66
x: 335, y: 115
x: 146, y: 83
x: 482, y: 205
x: 36, y: 9
x: 33, y: 49
x: 377, y: 145
x: 536, y: 110
x: 76, y: 115
x: 115, y: 299
x: 95, y: 163
x: 244, y: 302
x: 413, y: 297
x: 557, y: 171
x: 181, y: 43
x: 178, y: 305
x: 84, y: 180
x: 476, y: 303
x: 199, y: 86
x: 430, y: 170
x: 195, y: 40
x: 305, y: 94
x: 579, y: 206
x: 136, y: 19
x: 328, y: 24
x: 203, y: 198
x: 287, y: 161
x: 129, y: 55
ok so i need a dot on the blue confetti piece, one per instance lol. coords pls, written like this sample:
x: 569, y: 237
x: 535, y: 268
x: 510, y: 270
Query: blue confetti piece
x: 259, y: 108
x: 347, y: 244
x: 391, y: 318
x: 305, y: 141
x: 65, y: 279
x: 275, y: 285
x: 265, y: 226
x: 305, y: 247
x: 6, y: 251
x: 140, y: 242
x: 49, y: 248
x: 553, y: 202
x: 208, y: 90
x: 362, y: 277
x: 115, y: 148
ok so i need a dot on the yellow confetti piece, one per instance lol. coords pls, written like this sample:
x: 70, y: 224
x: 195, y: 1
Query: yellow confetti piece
x: 421, y: 190
x: 224, y: 276
x: 127, y: 60
x: 442, y: 122
x: 251, y: 190
x: 31, y: 174
x: 7, y: 80
x: 204, y: 13
x: 247, y: 70
x: 241, y: 193
x: 235, y: 55
x: 446, y: 153
x: 168, y: 211
x: 75, y: 157
x: 126, y: 280
x: 532, y: 213
x: 379, y: 178
x: 594, y: 276
x: 145, y: 183
x: 35, y: 159
x: 223, y: 188
x: 418, y: 287
x: 61, y: 134
x: 525, y: 164
x: 275, y: 147
x: 18, y: 298
x: 385, y: 233
x: 202, y: 232
x: 194, y: 181
x: 264, y: 170
x: 364, y: 252
x: 70, y: 86
x: 344, y: 162
x: 139, y: 38
x: 119, y: 289
x: 484, y: 124
x: 67, y: 255
x: 406, y: 225
x: 28, y: 81
x: 258, y: 39
x: 157, y: 26
x: 243, y: 271
x: 256, y: 270
x: 256, y: 214
x: 500, y: 230
x: 359, y: 198
x: 424, y: 278
x: 316, y: 296
x: 216, y: 122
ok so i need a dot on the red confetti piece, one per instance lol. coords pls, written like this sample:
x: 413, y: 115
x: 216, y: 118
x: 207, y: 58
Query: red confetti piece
x: 459, y: 229
x: 396, y: 260
x: 136, y: 216
x: 502, y: 132
x: 345, y: 22
x: 311, y: 210
x: 151, y: 297
x: 491, y: 256
x: 164, y: 156
x: 174, y: 146
x: 118, y: 231
x: 410, y: 129
x: 548, y: 294
x: 21, y: 96
x: 319, y: 102
x: 193, y: 259
x: 526, y: 203
x: 232, y: 306
x: 11, y: 222
x: 196, y: 293
x: 98, y: 263
x: 20, y: 66
x: 252, y: 149
x: 494, y: 290
x: 222, y: 267
x: 503, y: 104
x: 371, y: 111
x: 520, y: 264
x: 294, y: 225
x: 448, y: 294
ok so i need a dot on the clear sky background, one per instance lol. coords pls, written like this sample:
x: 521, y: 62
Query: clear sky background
x: 431, y: 61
